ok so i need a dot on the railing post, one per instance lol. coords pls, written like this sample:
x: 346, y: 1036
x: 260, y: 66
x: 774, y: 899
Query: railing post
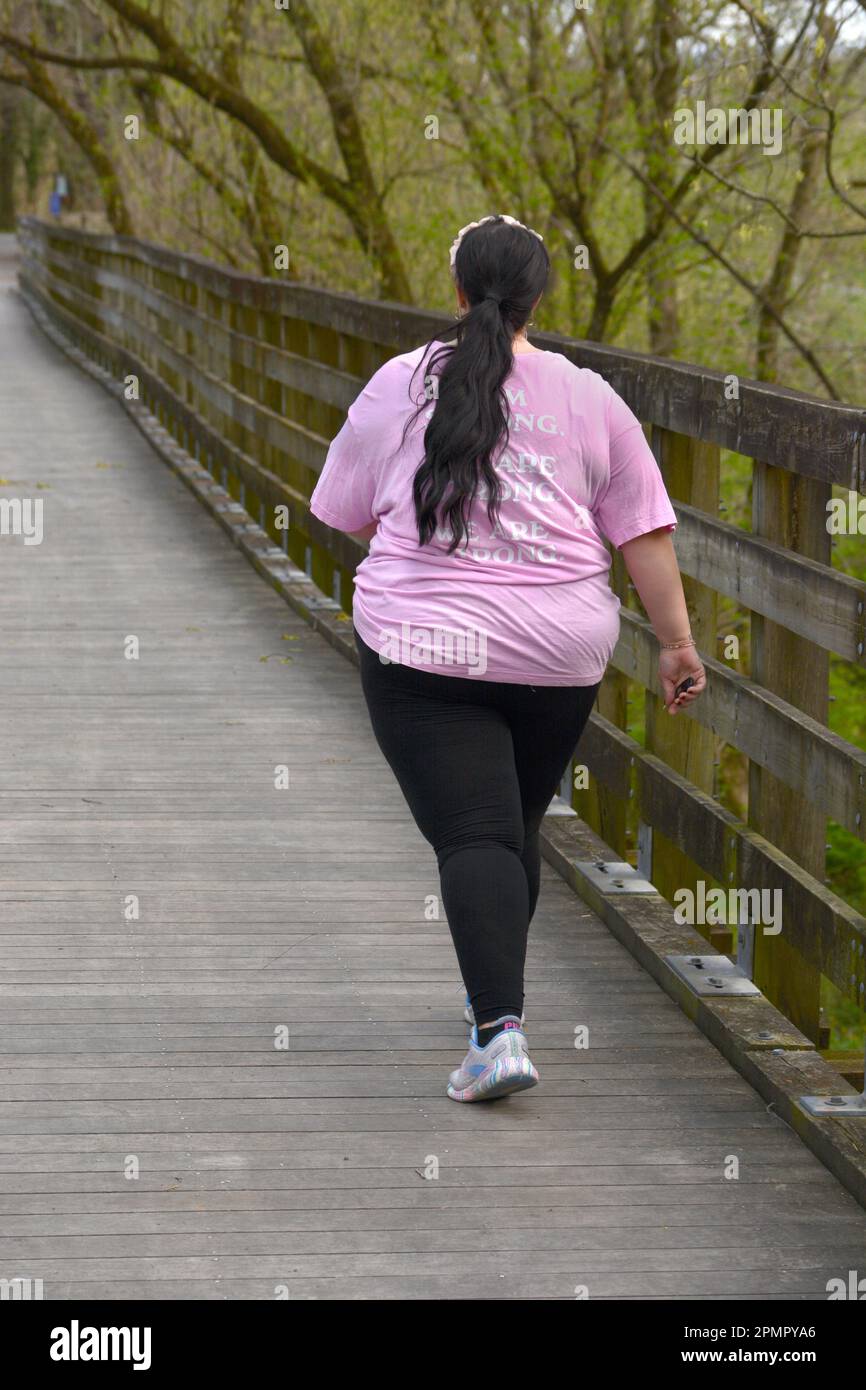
x: 791, y: 510
x: 690, y: 469
x: 601, y: 808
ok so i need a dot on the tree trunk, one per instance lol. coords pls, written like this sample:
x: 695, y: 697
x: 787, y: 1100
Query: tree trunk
x: 781, y: 278
x: 10, y: 101
x: 662, y: 308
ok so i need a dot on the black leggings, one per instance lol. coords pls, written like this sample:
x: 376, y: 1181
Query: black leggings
x: 478, y: 763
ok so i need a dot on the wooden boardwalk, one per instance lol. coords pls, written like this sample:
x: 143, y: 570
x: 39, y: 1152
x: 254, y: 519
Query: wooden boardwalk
x: 148, y: 1046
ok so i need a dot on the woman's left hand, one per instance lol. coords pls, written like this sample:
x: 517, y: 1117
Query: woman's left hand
x: 683, y: 663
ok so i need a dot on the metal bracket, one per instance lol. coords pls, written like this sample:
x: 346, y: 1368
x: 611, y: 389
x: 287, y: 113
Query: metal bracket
x: 321, y: 601
x: 613, y: 876
x: 712, y: 975
x: 746, y: 948
x: 644, y: 849
x: 844, y: 1106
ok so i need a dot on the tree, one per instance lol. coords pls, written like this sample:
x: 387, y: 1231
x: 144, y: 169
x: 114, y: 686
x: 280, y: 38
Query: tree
x: 10, y: 136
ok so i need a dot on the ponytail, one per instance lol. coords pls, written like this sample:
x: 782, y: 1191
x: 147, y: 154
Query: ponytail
x: 502, y: 269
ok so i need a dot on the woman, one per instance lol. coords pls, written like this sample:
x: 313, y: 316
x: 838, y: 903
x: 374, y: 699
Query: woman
x: 487, y: 474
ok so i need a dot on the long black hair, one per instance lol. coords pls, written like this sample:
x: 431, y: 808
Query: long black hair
x: 502, y: 270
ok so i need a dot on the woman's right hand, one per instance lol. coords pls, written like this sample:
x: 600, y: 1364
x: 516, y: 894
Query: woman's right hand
x: 683, y: 663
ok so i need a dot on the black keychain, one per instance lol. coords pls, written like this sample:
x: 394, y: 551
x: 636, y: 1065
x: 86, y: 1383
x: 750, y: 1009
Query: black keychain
x: 683, y: 686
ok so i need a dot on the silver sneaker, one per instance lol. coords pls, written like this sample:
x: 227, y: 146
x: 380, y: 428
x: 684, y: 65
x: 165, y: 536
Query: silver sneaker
x: 503, y: 1065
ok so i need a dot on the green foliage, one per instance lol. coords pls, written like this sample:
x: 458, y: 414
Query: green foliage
x: 562, y: 116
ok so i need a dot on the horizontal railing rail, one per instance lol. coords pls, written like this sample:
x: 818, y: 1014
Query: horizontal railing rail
x: 253, y: 376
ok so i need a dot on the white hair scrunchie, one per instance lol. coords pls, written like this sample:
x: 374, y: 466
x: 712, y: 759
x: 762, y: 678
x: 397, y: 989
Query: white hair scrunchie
x: 502, y: 216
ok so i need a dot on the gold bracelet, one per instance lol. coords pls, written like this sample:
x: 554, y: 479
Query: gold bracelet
x: 683, y: 642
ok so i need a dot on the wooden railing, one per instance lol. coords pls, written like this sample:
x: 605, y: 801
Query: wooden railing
x: 254, y: 377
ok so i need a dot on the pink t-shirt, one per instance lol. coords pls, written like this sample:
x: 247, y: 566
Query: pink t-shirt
x: 530, y: 602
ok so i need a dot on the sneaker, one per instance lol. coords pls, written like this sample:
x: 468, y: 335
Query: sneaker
x: 503, y: 1065
x: 469, y: 1014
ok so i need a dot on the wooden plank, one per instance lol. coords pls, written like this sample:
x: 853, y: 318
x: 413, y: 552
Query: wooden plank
x: 763, y: 1272
x: 426, y: 1287
x: 698, y: 1247
x: 95, y: 1204
x: 536, y: 1221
